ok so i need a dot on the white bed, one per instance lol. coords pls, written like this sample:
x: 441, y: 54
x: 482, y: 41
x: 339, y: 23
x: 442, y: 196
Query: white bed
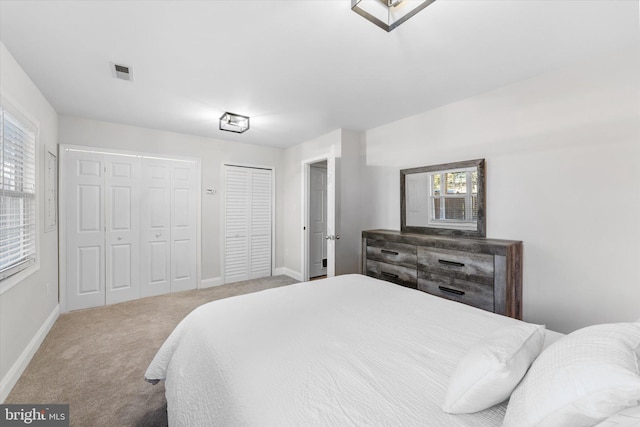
x: 349, y: 350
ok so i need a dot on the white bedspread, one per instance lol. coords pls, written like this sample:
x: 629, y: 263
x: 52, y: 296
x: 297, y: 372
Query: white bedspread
x: 349, y: 350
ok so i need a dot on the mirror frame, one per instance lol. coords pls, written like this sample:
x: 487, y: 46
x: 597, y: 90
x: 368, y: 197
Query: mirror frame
x: 481, y: 224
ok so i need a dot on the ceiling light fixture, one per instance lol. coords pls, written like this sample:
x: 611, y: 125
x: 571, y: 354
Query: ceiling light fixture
x: 234, y: 122
x: 388, y: 14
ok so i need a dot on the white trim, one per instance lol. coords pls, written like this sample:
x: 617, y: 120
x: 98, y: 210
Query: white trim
x: 199, y: 224
x: 288, y: 272
x: 14, y: 373
x: 62, y: 230
x: 13, y: 280
x: 210, y: 283
x: 125, y: 153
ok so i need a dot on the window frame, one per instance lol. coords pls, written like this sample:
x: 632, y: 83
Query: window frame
x: 16, y: 274
x: 469, y: 223
x: 422, y: 223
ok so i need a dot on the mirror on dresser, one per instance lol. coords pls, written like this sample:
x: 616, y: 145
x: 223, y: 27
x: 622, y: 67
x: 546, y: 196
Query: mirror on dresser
x: 446, y: 199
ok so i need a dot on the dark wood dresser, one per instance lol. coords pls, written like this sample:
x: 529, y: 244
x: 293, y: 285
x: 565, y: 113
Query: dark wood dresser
x: 484, y: 273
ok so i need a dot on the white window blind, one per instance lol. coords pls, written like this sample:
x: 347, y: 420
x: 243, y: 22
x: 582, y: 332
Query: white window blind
x: 17, y: 194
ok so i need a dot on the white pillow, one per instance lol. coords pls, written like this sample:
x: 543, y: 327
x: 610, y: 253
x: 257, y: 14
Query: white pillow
x: 580, y: 380
x: 492, y: 368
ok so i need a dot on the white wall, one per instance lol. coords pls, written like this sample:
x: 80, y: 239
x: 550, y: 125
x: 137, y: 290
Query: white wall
x: 349, y: 247
x: 213, y: 153
x: 563, y: 174
x: 348, y: 149
x: 293, y: 178
x: 29, y: 308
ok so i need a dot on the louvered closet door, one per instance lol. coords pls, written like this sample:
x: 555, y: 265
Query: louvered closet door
x: 85, y: 259
x: 236, y: 243
x: 260, y: 224
x: 248, y: 223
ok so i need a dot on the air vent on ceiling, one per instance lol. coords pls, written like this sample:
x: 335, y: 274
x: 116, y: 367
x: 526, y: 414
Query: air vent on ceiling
x: 122, y: 72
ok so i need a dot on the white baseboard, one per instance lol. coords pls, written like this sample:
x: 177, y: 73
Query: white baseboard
x: 14, y: 373
x: 210, y: 283
x: 287, y: 272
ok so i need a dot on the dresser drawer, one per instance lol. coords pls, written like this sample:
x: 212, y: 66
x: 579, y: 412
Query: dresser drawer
x: 392, y: 253
x: 471, y: 293
x: 392, y: 273
x: 462, y: 265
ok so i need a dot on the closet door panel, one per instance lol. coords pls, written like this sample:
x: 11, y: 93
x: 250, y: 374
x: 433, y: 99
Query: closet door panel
x: 260, y: 224
x: 84, y: 184
x: 236, y: 239
x: 184, y: 226
x: 123, y: 229
x: 155, y: 222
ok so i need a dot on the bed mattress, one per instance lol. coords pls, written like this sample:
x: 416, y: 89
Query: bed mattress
x: 349, y: 350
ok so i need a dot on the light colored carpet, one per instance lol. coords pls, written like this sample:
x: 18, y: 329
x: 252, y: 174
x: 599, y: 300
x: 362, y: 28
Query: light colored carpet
x: 95, y: 359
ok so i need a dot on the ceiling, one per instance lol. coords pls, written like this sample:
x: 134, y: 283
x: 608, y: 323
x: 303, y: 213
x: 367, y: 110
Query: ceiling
x: 299, y: 68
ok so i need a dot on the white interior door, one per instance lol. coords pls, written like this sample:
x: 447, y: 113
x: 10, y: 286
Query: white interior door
x: 183, y: 226
x: 122, y: 237
x: 155, y: 219
x: 318, y: 220
x: 85, y: 260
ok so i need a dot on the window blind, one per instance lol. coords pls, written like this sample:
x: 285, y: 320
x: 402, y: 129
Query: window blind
x: 17, y: 194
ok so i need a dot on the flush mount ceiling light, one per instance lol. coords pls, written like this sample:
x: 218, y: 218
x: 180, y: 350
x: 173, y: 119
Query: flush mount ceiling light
x: 234, y: 122
x: 388, y: 14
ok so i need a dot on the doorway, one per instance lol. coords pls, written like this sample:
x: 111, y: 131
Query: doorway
x: 317, y: 220
x: 319, y: 217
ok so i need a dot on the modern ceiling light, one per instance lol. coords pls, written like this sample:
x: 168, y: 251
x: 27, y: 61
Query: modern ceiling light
x: 234, y: 122
x: 388, y: 14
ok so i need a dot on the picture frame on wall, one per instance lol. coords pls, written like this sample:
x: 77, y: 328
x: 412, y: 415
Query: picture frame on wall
x: 51, y: 189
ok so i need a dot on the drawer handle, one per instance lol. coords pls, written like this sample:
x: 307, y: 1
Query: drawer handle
x: 384, y: 273
x: 451, y: 291
x: 451, y: 263
x: 385, y: 251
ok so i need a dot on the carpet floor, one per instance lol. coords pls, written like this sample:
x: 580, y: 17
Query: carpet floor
x: 95, y: 359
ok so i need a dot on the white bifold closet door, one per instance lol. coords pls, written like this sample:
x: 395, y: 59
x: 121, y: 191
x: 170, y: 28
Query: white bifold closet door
x: 130, y: 227
x: 169, y: 205
x: 103, y: 232
x: 248, y: 223
x: 83, y: 182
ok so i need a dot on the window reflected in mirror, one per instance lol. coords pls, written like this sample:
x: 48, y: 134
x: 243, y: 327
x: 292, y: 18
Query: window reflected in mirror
x: 444, y: 199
